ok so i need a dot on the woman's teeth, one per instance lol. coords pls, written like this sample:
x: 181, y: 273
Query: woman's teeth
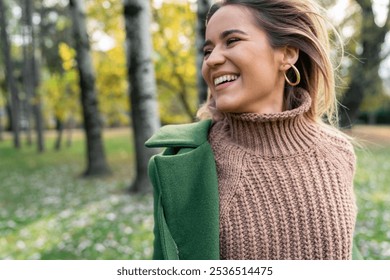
x: 225, y: 78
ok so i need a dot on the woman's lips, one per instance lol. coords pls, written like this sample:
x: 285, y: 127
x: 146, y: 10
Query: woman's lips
x: 225, y: 85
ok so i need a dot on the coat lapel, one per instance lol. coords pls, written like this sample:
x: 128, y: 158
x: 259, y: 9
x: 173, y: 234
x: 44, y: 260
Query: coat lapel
x: 185, y: 183
x: 182, y: 135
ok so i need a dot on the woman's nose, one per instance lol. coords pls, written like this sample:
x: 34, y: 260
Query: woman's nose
x: 215, y: 58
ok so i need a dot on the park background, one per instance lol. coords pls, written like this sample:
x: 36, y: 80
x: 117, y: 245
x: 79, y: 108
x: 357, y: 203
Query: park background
x: 84, y: 83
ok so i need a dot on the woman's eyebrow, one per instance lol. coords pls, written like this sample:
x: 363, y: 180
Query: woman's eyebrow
x: 224, y: 34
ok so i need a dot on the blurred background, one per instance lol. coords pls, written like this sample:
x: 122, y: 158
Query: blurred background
x: 84, y: 83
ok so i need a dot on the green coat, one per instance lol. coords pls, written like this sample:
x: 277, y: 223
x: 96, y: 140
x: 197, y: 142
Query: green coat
x: 186, y: 199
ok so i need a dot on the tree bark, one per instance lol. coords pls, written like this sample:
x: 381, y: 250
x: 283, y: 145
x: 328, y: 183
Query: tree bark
x: 69, y: 128
x: 203, y: 8
x: 8, y: 110
x: 25, y: 104
x: 59, y: 129
x: 365, y: 79
x: 11, y: 83
x: 142, y: 89
x: 96, y: 159
x: 34, y: 80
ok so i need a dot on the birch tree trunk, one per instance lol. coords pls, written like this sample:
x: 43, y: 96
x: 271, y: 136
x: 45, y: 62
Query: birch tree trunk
x: 96, y: 159
x: 25, y: 104
x: 60, y: 129
x: 203, y: 8
x: 142, y: 90
x: 11, y: 83
x: 36, y: 100
x: 31, y: 77
x: 26, y: 77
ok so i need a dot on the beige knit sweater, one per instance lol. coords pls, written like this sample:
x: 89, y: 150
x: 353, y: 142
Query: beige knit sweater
x: 285, y: 187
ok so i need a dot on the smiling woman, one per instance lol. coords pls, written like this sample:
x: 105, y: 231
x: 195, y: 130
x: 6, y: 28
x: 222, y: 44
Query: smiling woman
x: 236, y: 47
x: 261, y: 176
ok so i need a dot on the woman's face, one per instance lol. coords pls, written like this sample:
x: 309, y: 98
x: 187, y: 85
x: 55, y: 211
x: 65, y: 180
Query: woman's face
x: 242, y: 70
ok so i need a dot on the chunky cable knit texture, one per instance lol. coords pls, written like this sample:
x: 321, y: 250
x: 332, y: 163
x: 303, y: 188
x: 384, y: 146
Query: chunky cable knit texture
x: 285, y: 187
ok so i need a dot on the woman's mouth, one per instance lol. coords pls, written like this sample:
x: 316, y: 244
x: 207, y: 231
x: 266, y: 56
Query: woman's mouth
x: 224, y: 81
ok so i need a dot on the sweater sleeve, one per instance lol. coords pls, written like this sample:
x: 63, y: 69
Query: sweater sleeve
x: 339, y: 151
x: 342, y: 152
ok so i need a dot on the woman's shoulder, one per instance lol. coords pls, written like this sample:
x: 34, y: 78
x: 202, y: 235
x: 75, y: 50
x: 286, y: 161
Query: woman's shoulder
x: 338, y: 148
x: 336, y: 138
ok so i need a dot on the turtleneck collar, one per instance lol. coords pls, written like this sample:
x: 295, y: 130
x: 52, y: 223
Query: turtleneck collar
x: 274, y: 135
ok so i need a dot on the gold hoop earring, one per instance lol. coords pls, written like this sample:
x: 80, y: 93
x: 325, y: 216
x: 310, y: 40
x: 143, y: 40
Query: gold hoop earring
x: 297, y: 74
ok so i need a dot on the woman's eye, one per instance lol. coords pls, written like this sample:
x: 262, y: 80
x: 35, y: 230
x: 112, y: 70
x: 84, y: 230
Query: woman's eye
x: 206, y: 53
x: 232, y: 40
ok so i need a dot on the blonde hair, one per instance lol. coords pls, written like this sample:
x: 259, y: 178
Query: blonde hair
x: 300, y: 24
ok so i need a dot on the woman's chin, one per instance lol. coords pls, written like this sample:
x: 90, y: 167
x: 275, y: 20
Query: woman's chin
x: 227, y: 107
x: 224, y: 109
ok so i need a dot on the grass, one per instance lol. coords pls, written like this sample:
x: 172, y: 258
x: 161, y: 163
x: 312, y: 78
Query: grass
x: 372, y: 188
x: 47, y: 211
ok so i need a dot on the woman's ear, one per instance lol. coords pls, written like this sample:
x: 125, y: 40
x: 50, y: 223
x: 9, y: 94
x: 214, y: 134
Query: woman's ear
x: 290, y: 56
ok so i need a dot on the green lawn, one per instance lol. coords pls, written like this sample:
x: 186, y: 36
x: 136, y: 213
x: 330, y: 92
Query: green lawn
x: 47, y: 211
x: 372, y: 188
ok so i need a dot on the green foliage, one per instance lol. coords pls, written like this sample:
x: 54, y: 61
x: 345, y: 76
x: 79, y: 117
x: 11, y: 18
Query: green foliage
x: 106, y: 20
x: 106, y: 23
x: 375, y: 109
x: 174, y: 44
x: 111, y: 85
x: 47, y: 211
x: 374, y: 101
x: 60, y: 92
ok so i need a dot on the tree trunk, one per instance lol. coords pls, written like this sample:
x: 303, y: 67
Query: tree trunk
x: 71, y: 123
x: 142, y: 89
x: 365, y: 79
x: 11, y: 83
x: 203, y: 8
x: 96, y: 158
x: 26, y: 77
x: 8, y: 111
x: 60, y: 129
x: 32, y: 74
